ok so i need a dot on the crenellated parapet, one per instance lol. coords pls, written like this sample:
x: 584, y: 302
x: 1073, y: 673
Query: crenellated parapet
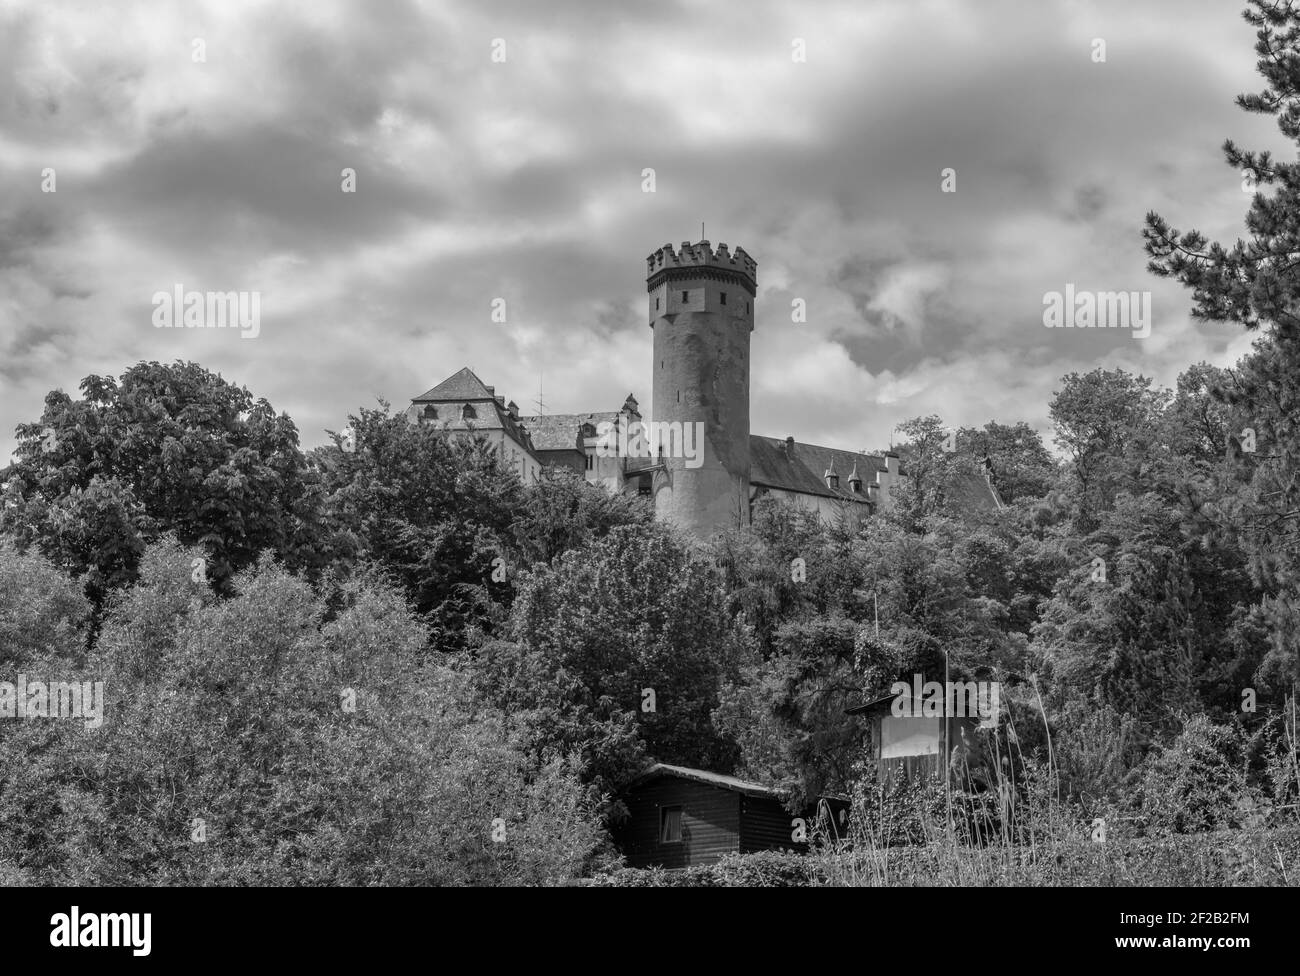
x: 701, y: 260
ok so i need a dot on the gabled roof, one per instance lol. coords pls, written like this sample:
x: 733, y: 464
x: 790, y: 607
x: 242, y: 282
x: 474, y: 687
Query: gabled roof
x: 461, y: 385
x: 660, y: 770
x: 799, y: 468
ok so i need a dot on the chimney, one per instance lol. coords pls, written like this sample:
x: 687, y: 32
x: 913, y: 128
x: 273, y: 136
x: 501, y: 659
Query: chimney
x: 789, y: 447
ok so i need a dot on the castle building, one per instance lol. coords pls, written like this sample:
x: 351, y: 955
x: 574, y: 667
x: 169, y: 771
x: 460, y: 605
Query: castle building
x: 705, y: 470
x: 463, y: 405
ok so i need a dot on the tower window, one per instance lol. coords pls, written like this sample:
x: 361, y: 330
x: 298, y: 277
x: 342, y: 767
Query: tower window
x: 656, y: 304
x: 724, y: 298
x: 685, y: 296
x: 679, y: 396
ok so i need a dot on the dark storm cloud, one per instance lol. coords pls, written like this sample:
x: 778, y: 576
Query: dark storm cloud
x: 522, y: 180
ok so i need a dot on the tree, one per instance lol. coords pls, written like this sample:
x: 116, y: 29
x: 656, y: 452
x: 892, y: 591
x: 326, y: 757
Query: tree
x: 436, y: 511
x: 273, y: 738
x: 564, y: 512
x: 1256, y: 283
x: 617, y: 651
x: 1105, y: 421
x: 167, y: 449
x: 1020, y: 465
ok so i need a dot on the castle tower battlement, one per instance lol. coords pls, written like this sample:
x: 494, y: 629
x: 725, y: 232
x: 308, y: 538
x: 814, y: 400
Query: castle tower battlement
x: 667, y: 264
x: 701, y: 307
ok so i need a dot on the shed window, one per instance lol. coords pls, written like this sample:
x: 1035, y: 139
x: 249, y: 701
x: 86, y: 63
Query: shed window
x: 670, y: 825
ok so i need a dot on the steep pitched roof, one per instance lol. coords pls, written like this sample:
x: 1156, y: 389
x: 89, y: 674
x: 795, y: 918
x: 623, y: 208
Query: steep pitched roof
x: 490, y: 411
x: 775, y: 464
x: 461, y: 385
x: 971, y: 491
x: 561, y: 431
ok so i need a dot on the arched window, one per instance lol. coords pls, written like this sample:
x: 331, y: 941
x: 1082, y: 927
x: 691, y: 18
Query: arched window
x: 430, y: 412
x: 467, y: 412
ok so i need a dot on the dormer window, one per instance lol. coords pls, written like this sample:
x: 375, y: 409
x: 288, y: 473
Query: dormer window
x: 468, y: 412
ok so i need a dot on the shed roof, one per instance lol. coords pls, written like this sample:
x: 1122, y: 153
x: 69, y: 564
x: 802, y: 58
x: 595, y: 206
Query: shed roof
x: 873, y: 706
x: 659, y: 770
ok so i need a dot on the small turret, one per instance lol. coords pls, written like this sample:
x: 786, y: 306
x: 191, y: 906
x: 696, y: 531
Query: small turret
x: 832, y: 479
x: 855, y: 480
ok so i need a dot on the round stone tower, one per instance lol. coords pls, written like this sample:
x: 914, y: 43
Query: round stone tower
x: 702, y: 312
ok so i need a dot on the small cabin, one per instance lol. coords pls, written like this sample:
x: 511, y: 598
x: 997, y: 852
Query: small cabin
x: 681, y: 817
x: 914, y: 745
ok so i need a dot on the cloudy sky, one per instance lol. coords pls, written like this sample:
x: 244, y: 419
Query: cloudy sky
x: 521, y: 179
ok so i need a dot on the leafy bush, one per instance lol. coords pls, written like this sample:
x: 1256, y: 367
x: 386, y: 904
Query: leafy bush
x: 42, y: 612
x: 1198, y: 781
x: 269, y: 739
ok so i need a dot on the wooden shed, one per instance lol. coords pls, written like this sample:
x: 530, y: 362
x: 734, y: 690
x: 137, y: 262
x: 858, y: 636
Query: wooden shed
x: 914, y: 746
x: 681, y: 817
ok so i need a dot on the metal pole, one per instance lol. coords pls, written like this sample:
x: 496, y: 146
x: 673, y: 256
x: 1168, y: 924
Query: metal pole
x: 947, y: 742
